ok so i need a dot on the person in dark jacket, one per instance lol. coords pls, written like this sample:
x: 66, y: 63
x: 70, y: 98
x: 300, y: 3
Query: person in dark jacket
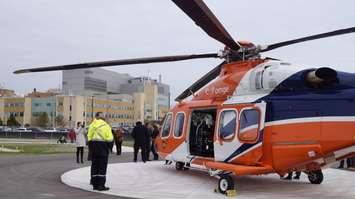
x: 140, y: 134
x: 118, y: 137
x: 149, y: 128
x: 154, y: 136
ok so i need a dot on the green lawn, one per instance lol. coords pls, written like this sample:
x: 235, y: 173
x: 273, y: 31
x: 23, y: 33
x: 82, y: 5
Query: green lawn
x: 43, y: 147
x: 35, y: 148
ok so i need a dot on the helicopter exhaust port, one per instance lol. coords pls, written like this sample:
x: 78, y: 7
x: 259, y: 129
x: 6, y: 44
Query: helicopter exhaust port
x: 321, y: 76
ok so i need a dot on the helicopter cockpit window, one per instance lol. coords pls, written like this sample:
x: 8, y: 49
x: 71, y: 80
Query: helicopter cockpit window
x: 249, y: 125
x: 179, y: 124
x: 166, y: 126
x: 227, y: 125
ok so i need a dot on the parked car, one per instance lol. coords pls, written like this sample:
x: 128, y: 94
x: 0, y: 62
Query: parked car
x: 6, y: 129
x: 36, y: 129
x: 62, y: 130
x: 23, y: 129
x: 51, y: 130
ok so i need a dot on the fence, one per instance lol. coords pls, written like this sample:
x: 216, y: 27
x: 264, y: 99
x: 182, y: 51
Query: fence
x: 30, y: 135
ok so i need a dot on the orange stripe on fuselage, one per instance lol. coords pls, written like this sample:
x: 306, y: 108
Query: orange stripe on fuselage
x: 292, y: 144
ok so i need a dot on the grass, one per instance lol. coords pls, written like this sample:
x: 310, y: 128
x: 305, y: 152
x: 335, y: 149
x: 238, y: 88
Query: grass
x: 38, y: 148
x: 35, y: 148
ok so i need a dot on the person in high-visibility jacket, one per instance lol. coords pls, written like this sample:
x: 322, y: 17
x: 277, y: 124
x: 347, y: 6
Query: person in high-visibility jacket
x: 101, y: 140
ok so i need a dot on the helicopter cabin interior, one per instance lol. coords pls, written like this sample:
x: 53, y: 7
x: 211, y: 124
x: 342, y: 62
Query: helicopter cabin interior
x: 201, y: 134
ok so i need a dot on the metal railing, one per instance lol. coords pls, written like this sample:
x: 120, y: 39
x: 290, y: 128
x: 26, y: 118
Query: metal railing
x: 31, y: 135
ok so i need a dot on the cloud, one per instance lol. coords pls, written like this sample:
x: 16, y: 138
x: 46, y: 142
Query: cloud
x: 40, y: 33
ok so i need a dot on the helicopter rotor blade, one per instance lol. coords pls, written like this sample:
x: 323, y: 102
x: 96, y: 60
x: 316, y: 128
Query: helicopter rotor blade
x: 198, y: 11
x: 309, y: 38
x: 118, y: 63
x: 197, y: 85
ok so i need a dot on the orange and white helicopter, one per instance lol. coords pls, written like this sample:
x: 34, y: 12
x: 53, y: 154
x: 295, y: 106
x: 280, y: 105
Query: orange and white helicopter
x: 252, y: 115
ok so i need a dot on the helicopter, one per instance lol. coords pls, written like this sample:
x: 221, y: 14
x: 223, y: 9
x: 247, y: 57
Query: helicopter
x: 252, y: 115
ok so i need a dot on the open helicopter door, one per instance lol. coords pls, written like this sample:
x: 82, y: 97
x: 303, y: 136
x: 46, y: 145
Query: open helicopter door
x: 239, y: 131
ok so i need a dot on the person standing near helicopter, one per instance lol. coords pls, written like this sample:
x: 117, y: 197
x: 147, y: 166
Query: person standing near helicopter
x: 80, y: 141
x: 101, y: 139
x: 140, y: 136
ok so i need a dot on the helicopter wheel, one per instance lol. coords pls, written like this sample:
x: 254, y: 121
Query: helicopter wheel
x: 315, y: 177
x: 179, y: 166
x: 225, y: 183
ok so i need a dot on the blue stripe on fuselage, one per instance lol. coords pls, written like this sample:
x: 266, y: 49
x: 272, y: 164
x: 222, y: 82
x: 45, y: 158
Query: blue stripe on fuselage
x: 245, y: 147
x: 295, y: 99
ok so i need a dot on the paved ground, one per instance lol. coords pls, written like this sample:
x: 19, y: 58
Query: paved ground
x: 38, y: 177
x: 154, y: 180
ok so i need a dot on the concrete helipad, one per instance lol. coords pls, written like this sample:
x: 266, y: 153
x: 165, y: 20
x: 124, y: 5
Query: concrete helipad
x: 154, y: 180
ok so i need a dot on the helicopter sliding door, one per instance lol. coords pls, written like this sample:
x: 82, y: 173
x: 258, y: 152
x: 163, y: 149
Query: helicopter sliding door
x: 201, y: 135
x: 239, y: 132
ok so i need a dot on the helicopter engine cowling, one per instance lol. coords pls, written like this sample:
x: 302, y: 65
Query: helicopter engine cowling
x: 321, y: 76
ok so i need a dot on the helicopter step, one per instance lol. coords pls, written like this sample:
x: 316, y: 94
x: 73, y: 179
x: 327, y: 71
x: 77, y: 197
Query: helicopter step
x: 240, y: 169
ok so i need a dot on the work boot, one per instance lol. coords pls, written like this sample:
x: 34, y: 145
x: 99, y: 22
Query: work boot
x: 102, y: 188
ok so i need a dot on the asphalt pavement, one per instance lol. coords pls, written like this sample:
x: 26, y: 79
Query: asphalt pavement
x: 38, y: 176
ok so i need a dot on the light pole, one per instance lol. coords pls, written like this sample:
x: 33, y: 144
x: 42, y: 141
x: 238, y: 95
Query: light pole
x: 92, y: 108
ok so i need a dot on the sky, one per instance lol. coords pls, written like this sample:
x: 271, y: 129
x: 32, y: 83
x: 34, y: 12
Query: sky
x: 37, y: 33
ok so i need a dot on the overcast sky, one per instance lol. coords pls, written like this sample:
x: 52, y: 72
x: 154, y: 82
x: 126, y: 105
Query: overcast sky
x: 48, y: 32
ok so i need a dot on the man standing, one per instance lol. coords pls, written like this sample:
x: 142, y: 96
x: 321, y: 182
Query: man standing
x: 140, y: 135
x: 118, y: 136
x: 148, y: 140
x: 101, y: 139
x: 154, y: 136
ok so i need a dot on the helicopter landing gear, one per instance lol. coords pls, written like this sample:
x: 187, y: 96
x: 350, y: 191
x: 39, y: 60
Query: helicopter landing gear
x: 225, y: 183
x: 315, y: 177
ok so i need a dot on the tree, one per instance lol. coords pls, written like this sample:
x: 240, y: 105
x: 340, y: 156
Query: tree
x: 1, y: 122
x: 59, y: 120
x: 42, y: 120
x: 12, y: 121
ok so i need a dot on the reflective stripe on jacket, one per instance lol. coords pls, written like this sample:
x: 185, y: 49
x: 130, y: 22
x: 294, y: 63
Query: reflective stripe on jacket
x: 99, y: 130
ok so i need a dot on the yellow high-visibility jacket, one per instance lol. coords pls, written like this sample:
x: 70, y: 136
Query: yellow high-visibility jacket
x: 99, y: 130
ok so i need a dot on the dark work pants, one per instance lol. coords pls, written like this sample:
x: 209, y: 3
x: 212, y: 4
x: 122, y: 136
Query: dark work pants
x: 154, y: 151
x: 118, y: 147
x: 79, y: 150
x: 348, y: 162
x: 143, y: 151
x: 148, y: 148
x: 98, y: 171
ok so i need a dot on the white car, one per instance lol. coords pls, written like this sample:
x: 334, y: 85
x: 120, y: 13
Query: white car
x: 50, y: 130
x: 63, y: 130
x: 23, y: 129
